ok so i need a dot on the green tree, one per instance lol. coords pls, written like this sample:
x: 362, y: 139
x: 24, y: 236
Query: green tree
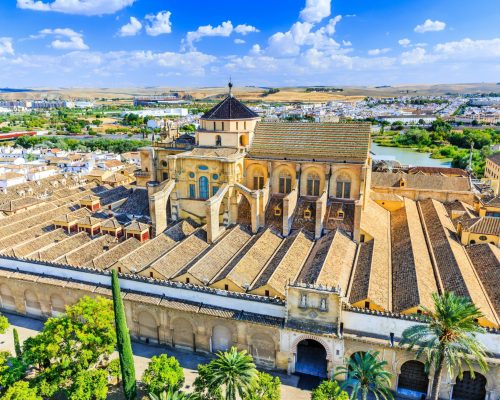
x: 21, y: 391
x: 234, y: 370
x: 17, y: 345
x: 365, y: 373
x: 79, y: 340
x: 447, y: 338
x: 114, y: 369
x: 202, y: 388
x: 329, y: 390
x: 163, y: 373
x: 90, y: 384
x: 123, y: 342
x: 4, y: 324
x: 11, y: 369
x: 264, y: 387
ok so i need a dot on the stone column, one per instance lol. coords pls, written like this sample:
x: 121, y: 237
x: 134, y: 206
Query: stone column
x: 254, y: 208
x: 212, y: 215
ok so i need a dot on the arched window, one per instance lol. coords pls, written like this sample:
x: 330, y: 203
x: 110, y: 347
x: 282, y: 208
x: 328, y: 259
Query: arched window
x: 313, y: 182
x: 343, y: 187
x: 285, y: 183
x: 218, y: 140
x: 258, y: 181
x: 203, y: 182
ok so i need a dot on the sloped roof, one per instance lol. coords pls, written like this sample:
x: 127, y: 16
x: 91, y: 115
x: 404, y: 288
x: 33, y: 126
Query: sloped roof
x: 229, y: 108
x: 420, y: 181
x: 495, y: 158
x: 483, y: 225
x: 347, y: 142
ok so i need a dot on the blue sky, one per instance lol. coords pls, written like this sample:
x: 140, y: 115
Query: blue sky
x: 122, y: 43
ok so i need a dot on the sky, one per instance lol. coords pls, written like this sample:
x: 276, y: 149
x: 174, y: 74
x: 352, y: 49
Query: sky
x: 196, y: 43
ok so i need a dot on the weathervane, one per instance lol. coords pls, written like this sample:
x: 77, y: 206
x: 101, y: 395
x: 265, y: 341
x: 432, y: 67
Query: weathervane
x: 230, y: 85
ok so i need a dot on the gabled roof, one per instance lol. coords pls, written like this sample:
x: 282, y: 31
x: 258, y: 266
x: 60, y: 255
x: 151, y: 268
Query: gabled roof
x: 495, y: 158
x: 345, y: 142
x: 230, y: 108
x: 483, y: 225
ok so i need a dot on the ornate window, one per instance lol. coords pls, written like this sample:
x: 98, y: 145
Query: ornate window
x: 285, y: 183
x: 258, y: 182
x: 313, y: 182
x: 192, y: 191
x: 343, y: 187
x: 203, y: 187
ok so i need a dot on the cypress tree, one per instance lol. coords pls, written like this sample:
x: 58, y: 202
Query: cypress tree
x: 17, y: 345
x: 123, y: 341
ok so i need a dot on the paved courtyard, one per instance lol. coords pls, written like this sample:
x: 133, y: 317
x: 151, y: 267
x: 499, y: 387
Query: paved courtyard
x: 27, y: 327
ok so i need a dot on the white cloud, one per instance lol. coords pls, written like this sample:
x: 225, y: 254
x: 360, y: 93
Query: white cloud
x: 417, y: 55
x: 245, y: 29
x: 159, y: 23
x: 316, y: 10
x: 6, y: 46
x: 239, y: 41
x: 377, y: 52
x: 469, y: 49
x: 65, y: 39
x: 430, y: 26
x: 346, y: 43
x: 225, y: 29
x: 404, y: 42
x: 80, y: 7
x: 132, y: 28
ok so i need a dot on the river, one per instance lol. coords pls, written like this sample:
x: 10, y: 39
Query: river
x: 410, y: 157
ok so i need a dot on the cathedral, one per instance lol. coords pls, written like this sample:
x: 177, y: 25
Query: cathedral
x: 279, y: 238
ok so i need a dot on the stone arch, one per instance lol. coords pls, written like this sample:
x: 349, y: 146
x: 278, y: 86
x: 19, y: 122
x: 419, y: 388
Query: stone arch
x: 221, y: 338
x: 147, y: 327
x: 468, y: 388
x: 309, y: 172
x: 57, y: 305
x: 32, y: 304
x: 413, y: 379
x: 182, y: 333
x: 253, y: 172
x: 295, y: 343
x: 263, y: 349
x: 281, y: 170
x: 8, y: 301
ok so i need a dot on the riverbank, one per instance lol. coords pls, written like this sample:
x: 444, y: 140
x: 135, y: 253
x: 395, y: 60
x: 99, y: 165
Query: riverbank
x: 409, y: 156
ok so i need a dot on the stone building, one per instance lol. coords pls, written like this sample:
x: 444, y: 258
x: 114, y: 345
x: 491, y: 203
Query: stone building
x: 276, y: 238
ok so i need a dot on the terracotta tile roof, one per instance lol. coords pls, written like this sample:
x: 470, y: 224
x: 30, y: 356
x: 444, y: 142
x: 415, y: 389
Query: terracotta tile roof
x: 229, y: 108
x: 111, y: 223
x: 486, y: 261
x: 361, y: 279
x: 137, y: 226
x: 61, y: 248
x: 136, y: 204
x: 454, y: 266
x: 419, y: 181
x: 438, y: 171
x: 248, y: 267
x: 19, y: 204
x: 156, y: 247
x: 170, y: 263
x: 495, y: 158
x: 412, y: 275
x: 36, y: 244
x: 320, y: 141
x: 286, y: 263
x: 89, y: 220
x: 107, y: 259
x: 483, y: 225
x: 219, y: 254
x: 82, y: 255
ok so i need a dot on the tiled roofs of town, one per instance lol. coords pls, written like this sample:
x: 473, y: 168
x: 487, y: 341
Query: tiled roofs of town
x: 85, y: 253
x: 420, y: 181
x: 495, y: 158
x: 228, y: 109
x: 483, y: 225
x: 439, y: 171
x: 107, y: 259
x: 317, y: 141
x: 136, y: 204
x: 61, y: 248
x: 18, y: 204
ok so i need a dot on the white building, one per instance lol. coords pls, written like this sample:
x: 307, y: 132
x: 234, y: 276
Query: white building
x: 9, y: 179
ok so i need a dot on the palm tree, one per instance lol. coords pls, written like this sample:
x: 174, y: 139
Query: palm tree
x: 232, y: 369
x: 366, y: 374
x: 447, y: 340
x: 170, y: 395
